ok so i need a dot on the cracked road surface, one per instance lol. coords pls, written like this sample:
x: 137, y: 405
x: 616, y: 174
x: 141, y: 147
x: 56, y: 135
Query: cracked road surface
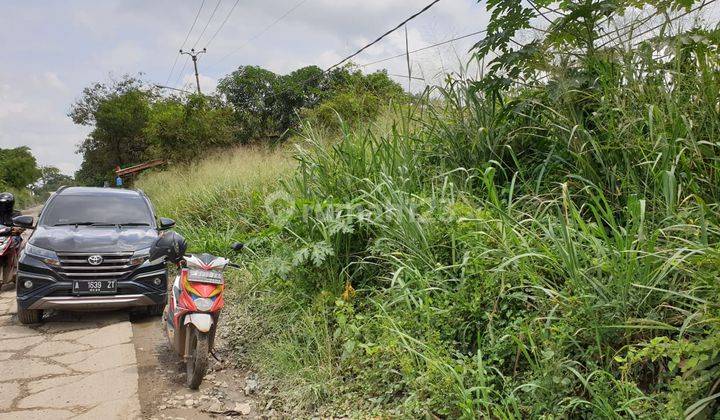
x: 74, y: 365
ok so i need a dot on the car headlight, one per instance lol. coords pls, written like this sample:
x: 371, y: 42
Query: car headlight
x: 140, y: 256
x: 44, y: 255
x: 203, y: 304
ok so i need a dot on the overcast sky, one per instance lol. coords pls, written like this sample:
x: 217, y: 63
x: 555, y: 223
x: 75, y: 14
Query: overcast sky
x: 52, y: 49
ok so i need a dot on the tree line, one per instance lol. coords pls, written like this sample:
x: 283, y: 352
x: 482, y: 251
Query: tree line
x: 133, y: 121
x: 21, y: 175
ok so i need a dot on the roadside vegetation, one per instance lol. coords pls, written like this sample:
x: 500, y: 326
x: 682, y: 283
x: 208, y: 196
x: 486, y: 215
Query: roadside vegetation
x: 541, y: 243
x: 132, y: 121
x: 21, y: 176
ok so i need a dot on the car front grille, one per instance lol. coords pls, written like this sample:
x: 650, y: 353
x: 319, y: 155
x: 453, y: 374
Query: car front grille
x: 77, y: 266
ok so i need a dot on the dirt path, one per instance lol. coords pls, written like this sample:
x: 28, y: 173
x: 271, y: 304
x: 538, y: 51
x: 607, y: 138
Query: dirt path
x: 162, y: 389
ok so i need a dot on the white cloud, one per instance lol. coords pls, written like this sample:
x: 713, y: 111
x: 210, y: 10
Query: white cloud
x: 55, y: 49
x: 52, y: 80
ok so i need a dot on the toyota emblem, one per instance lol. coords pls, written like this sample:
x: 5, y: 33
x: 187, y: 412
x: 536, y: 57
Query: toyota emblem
x: 95, y: 259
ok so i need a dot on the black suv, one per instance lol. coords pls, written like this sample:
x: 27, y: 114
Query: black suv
x: 89, y: 250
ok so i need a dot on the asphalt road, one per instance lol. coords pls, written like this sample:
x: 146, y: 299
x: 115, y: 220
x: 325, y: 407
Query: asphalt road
x: 71, y: 366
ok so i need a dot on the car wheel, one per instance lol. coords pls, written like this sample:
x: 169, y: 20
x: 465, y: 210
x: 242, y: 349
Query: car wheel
x: 155, y: 310
x: 29, y: 316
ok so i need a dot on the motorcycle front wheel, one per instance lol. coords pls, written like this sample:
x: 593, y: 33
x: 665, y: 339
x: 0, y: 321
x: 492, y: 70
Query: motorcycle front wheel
x: 197, y: 357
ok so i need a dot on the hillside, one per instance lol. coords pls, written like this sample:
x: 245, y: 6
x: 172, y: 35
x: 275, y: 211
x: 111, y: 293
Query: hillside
x: 493, y: 249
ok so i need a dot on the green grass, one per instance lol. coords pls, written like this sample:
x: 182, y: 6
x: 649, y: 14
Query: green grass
x: 554, y: 254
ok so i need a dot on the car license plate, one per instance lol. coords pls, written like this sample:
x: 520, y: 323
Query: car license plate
x: 94, y: 287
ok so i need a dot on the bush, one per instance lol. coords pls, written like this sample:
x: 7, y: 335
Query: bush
x: 488, y: 257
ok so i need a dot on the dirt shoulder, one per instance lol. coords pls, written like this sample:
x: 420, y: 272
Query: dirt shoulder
x: 225, y: 392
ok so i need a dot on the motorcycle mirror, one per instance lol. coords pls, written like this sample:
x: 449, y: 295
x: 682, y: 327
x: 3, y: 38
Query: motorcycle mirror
x: 23, y: 221
x: 166, y: 223
x: 237, y: 246
x: 170, y: 245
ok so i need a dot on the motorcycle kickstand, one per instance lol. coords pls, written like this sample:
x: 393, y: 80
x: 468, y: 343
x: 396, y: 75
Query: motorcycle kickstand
x: 212, y: 353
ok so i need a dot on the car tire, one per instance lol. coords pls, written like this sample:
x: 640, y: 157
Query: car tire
x: 29, y: 316
x: 155, y: 310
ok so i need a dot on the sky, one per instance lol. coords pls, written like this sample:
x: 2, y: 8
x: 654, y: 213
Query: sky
x: 51, y: 50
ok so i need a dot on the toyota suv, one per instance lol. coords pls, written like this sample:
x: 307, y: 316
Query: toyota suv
x: 89, y: 251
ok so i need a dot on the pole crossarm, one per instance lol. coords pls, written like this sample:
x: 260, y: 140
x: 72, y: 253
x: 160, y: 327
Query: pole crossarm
x: 194, y: 55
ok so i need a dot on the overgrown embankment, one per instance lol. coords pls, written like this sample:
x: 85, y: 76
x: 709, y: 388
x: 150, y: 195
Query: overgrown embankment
x: 549, y: 251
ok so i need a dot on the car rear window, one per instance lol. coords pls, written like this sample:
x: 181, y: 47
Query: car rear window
x: 72, y: 209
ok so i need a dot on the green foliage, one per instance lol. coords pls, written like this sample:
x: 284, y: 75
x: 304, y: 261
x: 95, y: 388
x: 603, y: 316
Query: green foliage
x: 50, y: 180
x: 118, y: 113
x: 553, y: 254
x: 574, y: 32
x: 18, y: 168
x: 268, y: 105
x: 133, y: 123
x: 183, y: 129
x: 353, y: 98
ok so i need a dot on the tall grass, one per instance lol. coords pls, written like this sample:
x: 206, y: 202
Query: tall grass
x: 550, y: 254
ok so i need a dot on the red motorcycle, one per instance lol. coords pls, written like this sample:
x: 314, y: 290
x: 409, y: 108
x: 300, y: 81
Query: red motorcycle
x: 10, y: 239
x: 191, y: 316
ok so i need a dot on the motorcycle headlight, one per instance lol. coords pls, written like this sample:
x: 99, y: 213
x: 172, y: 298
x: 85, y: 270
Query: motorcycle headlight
x: 203, y: 304
x: 140, y: 256
x: 44, y: 255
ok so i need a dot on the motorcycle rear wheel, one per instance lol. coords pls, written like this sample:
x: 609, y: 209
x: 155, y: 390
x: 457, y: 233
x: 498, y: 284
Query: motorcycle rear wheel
x: 197, y: 357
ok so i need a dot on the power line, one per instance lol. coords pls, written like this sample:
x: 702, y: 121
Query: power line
x: 187, y: 60
x: 399, y: 25
x: 339, y: 63
x: 182, y: 71
x: 259, y: 34
x: 698, y: 7
x: 207, y: 24
x: 382, y: 60
x: 186, y: 38
x: 222, y: 24
x: 172, y: 88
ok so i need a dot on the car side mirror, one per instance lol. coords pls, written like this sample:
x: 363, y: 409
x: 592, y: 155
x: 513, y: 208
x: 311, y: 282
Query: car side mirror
x: 25, y: 222
x: 166, y: 223
x: 237, y: 246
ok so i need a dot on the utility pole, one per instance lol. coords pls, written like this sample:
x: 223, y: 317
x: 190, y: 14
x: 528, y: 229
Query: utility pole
x: 194, y: 56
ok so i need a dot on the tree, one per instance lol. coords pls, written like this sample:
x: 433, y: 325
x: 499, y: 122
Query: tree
x: 18, y: 168
x: 251, y: 92
x: 184, y: 128
x: 572, y: 34
x: 50, y: 180
x: 354, y: 97
x: 118, y: 113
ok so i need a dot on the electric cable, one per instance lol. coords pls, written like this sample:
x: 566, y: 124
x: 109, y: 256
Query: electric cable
x: 186, y: 38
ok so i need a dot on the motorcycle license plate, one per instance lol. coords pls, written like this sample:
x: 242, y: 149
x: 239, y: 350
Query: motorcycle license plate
x: 94, y: 287
x: 206, y: 276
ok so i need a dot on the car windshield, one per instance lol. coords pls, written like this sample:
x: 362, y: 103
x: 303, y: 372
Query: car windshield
x: 97, y: 211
